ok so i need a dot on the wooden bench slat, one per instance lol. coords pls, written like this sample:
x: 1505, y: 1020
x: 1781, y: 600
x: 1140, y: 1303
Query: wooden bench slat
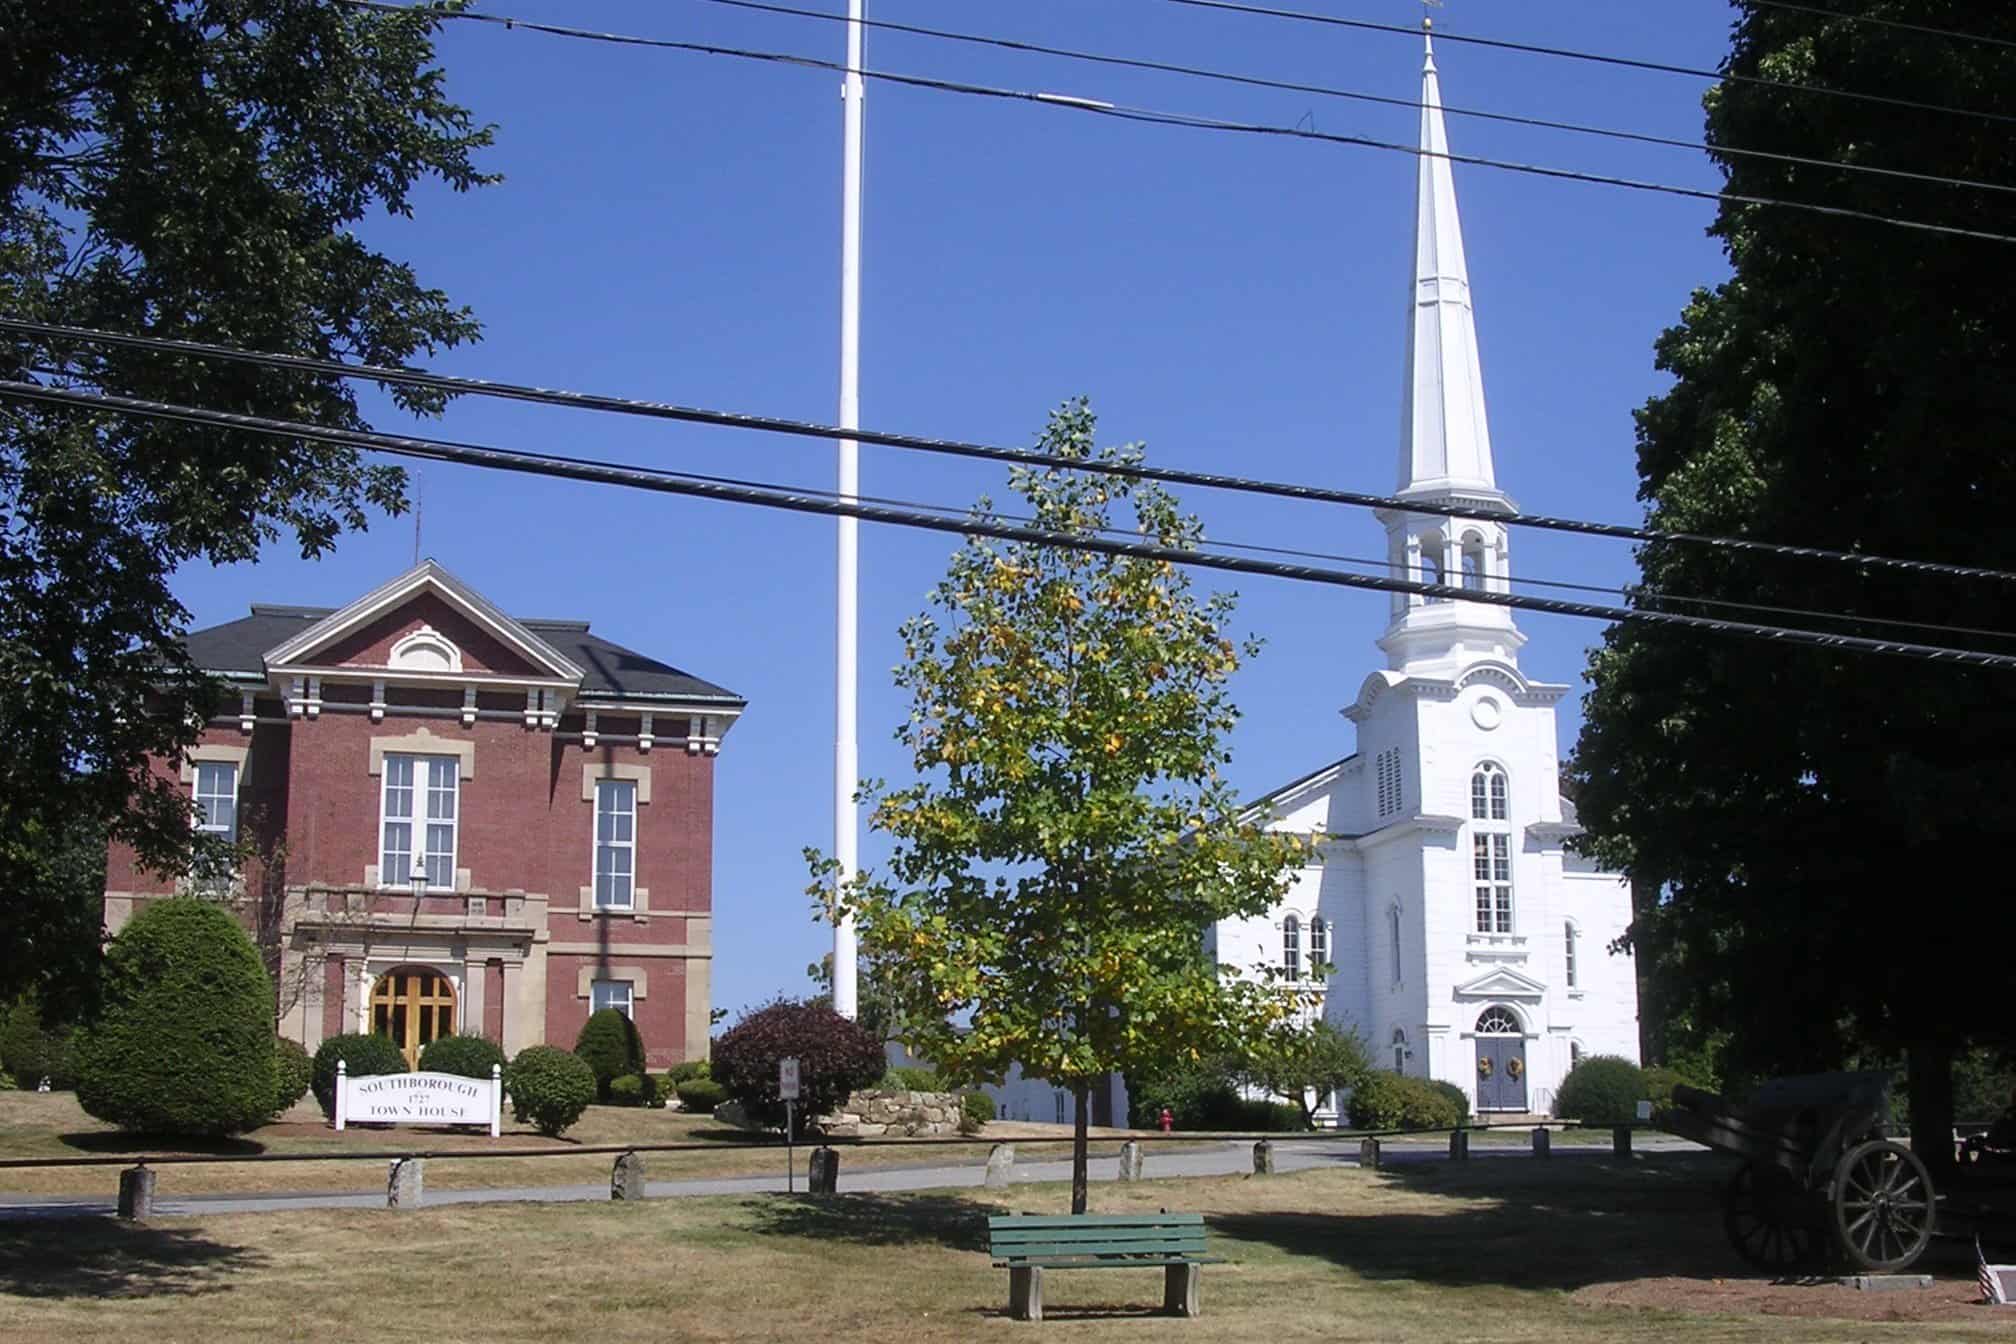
x: 1016, y: 1236
x: 1079, y: 1262
x: 1041, y: 1249
x: 1001, y: 1220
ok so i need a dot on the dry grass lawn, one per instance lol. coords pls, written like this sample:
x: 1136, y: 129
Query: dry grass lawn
x: 1492, y: 1250
x: 52, y: 1125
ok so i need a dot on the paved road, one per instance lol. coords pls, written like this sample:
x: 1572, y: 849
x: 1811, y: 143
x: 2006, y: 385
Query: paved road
x: 1228, y: 1159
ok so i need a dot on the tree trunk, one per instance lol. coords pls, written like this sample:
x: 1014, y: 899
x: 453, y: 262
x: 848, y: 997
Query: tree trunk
x: 1928, y: 1074
x: 1079, y: 1140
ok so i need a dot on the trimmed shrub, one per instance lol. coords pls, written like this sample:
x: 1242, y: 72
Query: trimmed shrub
x: 701, y: 1095
x: 610, y: 1046
x: 1454, y: 1096
x: 1601, y: 1090
x: 292, y: 1072
x: 1395, y: 1101
x: 836, y: 1058
x: 466, y: 1056
x: 32, y: 1051
x: 976, y: 1112
x: 6, y: 1081
x: 549, y: 1088
x: 183, y: 1043
x: 685, y: 1073
x: 629, y: 1090
x: 910, y: 1078
x: 1659, y: 1084
x: 364, y: 1057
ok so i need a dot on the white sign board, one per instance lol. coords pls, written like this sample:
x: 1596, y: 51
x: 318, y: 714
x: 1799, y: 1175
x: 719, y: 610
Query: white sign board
x: 787, y: 1079
x: 420, y: 1099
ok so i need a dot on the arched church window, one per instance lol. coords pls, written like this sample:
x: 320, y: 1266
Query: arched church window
x: 1291, y: 947
x: 1399, y: 1051
x: 1491, y: 847
x: 1568, y: 942
x: 1489, y: 794
x: 1498, y: 1021
x: 1473, y: 562
x: 1319, y: 944
x: 1431, y: 563
x: 1393, y: 939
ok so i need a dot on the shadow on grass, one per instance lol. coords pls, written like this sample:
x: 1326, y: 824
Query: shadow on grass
x: 97, y: 1257
x: 118, y: 1141
x: 949, y: 1221
x: 1555, y: 1225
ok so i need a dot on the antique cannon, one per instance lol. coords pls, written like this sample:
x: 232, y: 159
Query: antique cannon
x: 1818, y: 1172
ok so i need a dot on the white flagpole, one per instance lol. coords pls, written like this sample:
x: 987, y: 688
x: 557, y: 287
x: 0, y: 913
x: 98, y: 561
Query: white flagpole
x: 846, y: 773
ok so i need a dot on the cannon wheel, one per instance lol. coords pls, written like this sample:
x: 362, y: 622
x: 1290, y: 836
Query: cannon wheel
x: 1771, y: 1220
x: 1883, y: 1206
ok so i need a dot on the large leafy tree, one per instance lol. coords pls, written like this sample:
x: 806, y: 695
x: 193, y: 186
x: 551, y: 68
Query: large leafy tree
x: 1819, y: 840
x: 1069, y: 836
x: 189, y: 170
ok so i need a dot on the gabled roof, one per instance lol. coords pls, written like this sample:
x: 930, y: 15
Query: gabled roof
x: 1502, y: 982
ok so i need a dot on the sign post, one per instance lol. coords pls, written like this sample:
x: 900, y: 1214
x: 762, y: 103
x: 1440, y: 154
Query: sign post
x: 787, y: 1088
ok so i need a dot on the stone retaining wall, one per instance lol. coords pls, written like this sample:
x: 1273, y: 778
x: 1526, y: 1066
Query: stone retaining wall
x: 871, y: 1114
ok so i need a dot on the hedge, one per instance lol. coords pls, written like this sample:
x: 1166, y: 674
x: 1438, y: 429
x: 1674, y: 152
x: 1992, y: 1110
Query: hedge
x: 976, y: 1112
x: 183, y: 1043
x: 32, y: 1051
x: 701, y: 1095
x: 686, y: 1072
x: 364, y: 1056
x: 466, y: 1056
x: 549, y: 1088
x: 911, y: 1078
x: 1396, y: 1101
x: 292, y: 1072
x: 630, y: 1090
x: 836, y: 1058
x: 1601, y: 1090
x: 610, y: 1046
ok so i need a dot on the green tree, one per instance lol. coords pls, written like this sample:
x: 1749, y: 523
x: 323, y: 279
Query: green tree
x: 185, y: 170
x: 1305, y: 1061
x: 1849, y: 386
x: 874, y: 1009
x: 1069, y: 837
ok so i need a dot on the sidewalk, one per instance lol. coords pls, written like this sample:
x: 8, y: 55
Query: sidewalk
x: 1230, y: 1159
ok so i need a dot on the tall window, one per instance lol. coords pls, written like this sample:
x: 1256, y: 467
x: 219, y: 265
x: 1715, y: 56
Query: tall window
x: 217, y: 799
x: 1393, y: 939
x: 1399, y: 1050
x: 1431, y: 563
x: 1491, y: 848
x: 615, y: 843
x: 419, y: 798
x: 610, y: 994
x: 1291, y: 947
x: 1319, y: 944
x: 1473, y: 563
x: 1568, y: 942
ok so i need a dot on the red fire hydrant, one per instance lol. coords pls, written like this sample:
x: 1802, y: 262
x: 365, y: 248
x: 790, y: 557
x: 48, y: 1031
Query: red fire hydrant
x: 1166, y: 1120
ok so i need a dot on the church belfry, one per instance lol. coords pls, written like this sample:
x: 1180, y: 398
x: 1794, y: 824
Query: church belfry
x: 1445, y: 439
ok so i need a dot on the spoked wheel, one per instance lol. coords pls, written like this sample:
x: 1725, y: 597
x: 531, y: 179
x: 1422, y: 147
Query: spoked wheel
x: 1883, y: 1206
x: 1771, y: 1220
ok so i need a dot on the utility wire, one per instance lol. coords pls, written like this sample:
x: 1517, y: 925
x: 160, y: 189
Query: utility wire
x: 547, y: 465
x: 1898, y: 24
x: 1331, y: 20
x: 1355, y: 95
x: 659, y: 410
x: 1154, y: 117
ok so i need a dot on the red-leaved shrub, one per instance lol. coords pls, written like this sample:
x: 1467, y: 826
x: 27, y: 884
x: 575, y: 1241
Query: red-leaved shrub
x: 835, y: 1057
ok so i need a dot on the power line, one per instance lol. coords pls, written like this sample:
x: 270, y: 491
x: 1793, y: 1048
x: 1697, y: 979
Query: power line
x: 1331, y: 20
x: 658, y: 410
x: 1356, y: 95
x: 1154, y: 117
x: 548, y: 465
x: 1879, y: 21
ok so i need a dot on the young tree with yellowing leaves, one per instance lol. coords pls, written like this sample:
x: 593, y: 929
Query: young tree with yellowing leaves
x: 1069, y: 838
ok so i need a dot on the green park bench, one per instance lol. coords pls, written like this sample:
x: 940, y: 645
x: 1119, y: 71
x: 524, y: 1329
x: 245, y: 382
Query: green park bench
x: 1025, y: 1246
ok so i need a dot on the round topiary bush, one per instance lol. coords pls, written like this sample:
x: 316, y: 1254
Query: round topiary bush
x: 364, y: 1057
x: 1454, y: 1096
x: 467, y: 1056
x: 610, y: 1046
x: 836, y: 1058
x: 976, y: 1112
x: 549, y: 1088
x: 183, y: 1043
x: 292, y: 1072
x: 1394, y: 1101
x: 701, y: 1095
x: 686, y: 1072
x: 1601, y: 1090
x: 629, y: 1090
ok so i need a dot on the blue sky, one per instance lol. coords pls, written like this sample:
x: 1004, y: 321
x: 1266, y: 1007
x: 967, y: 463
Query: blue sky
x: 668, y: 228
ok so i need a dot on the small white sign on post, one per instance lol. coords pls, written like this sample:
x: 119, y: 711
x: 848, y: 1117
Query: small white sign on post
x: 787, y: 1091
x: 420, y: 1099
x: 787, y: 1079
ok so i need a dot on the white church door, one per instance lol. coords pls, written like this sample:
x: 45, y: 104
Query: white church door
x: 1501, y: 1061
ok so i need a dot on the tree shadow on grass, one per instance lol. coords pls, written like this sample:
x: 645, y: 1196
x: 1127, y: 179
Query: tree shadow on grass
x: 97, y: 1257
x: 877, y: 1219
x: 1521, y: 1223
x: 118, y: 1141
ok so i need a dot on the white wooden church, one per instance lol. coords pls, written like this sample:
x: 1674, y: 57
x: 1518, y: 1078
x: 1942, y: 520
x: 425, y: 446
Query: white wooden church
x: 1467, y: 944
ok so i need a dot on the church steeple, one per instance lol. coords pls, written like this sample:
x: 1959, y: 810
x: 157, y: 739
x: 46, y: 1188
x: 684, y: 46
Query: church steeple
x: 1445, y: 438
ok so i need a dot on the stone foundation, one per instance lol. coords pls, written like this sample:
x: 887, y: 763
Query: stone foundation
x: 895, y: 1114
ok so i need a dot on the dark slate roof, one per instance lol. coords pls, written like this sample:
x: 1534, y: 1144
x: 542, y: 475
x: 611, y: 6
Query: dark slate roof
x: 237, y: 648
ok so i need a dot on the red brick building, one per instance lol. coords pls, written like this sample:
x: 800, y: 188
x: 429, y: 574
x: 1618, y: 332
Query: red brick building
x: 458, y: 821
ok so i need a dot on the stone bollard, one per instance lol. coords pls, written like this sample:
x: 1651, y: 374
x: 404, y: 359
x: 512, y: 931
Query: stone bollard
x: 1263, y: 1158
x: 1000, y: 1165
x: 136, y: 1193
x: 822, y: 1172
x: 404, y: 1184
x: 1459, y: 1145
x: 1620, y: 1141
x: 626, y: 1178
x: 1130, y: 1161
x: 1543, y: 1141
x: 1368, y: 1153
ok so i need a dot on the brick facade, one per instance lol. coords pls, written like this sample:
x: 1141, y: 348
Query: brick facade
x: 518, y: 936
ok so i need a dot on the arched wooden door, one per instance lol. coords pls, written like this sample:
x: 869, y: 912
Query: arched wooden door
x: 1501, y: 1061
x: 413, y: 1005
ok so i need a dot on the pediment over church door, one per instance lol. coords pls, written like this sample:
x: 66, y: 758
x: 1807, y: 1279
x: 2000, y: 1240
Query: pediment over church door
x: 1501, y: 982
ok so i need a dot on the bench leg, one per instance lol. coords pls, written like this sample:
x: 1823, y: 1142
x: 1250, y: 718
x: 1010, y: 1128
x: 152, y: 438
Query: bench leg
x: 1179, y: 1289
x: 1025, y: 1293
